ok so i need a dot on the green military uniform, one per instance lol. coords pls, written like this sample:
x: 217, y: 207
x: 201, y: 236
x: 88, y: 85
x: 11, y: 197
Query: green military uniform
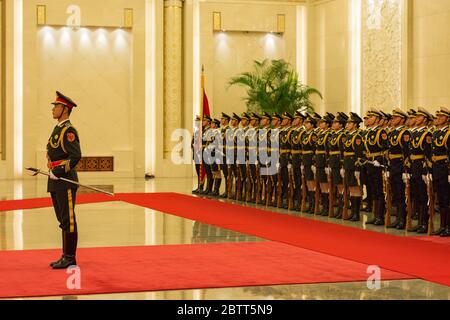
x: 419, y: 152
x: 376, y: 143
x: 308, y: 140
x: 321, y: 160
x: 296, y: 158
x: 440, y: 170
x: 353, y: 152
x: 335, y: 158
x: 63, y: 154
x: 398, y: 153
x: 223, y: 150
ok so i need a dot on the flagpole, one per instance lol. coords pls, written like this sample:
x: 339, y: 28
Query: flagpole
x: 200, y: 136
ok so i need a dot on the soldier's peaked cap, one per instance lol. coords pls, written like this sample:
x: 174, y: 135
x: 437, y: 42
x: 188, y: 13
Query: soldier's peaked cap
x: 425, y: 113
x: 354, y: 118
x: 265, y: 115
x: 276, y: 115
x: 298, y: 114
x: 255, y: 116
x: 236, y: 117
x: 225, y: 116
x: 287, y: 115
x: 341, y: 117
x: 443, y: 112
x: 64, y: 100
x: 399, y: 113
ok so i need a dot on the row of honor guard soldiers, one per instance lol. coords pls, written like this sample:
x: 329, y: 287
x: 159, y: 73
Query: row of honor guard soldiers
x: 322, y: 164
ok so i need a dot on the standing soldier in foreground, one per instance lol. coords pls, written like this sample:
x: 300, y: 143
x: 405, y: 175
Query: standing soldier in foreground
x: 63, y: 155
x: 441, y: 169
x: 398, y: 152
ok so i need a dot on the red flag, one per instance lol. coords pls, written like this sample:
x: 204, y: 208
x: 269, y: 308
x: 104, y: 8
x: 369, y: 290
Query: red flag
x: 206, y: 111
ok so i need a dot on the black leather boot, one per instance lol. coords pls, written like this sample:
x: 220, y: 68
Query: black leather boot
x: 352, y: 201
x: 401, y: 216
x: 356, y: 210
x: 446, y: 232
x: 71, y: 241
x: 423, y: 219
x: 443, y: 224
x: 325, y: 205
x: 394, y: 224
x: 63, y: 249
x: 376, y: 206
x: 379, y: 214
x: 311, y: 202
x: 217, y: 184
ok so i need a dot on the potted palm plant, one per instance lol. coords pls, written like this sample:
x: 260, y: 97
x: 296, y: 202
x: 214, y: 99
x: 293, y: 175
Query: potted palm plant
x: 273, y: 86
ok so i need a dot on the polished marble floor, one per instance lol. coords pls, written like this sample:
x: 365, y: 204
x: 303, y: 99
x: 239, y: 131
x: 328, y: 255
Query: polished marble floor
x: 121, y: 224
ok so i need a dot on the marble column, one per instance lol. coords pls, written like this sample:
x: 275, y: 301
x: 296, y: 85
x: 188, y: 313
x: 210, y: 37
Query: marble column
x: 173, y: 72
x: 382, y: 37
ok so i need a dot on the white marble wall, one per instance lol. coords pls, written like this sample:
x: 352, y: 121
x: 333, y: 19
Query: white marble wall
x: 381, y: 53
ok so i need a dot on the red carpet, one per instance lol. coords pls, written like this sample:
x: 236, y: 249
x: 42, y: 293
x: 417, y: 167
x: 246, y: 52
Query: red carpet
x: 406, y: 255
x: 26, y: 204
x: 136, y: 269
x: 417, y: 258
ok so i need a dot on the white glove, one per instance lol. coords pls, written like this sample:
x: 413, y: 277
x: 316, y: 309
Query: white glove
x: 342, y: 173
x: 313, y: 169
x: 237, y: 162
x: 52, y: 176
x: 357, y: 175
x: 289, y: 167
x: 376, y: 164
x: 405, y: 177
x: 256, y: 163
x: 278, y: 166
x: 425, y: 178
x: 327, y: 170
x: 302, y: 167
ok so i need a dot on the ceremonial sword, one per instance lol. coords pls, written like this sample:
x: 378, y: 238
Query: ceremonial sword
x: 39, y: 171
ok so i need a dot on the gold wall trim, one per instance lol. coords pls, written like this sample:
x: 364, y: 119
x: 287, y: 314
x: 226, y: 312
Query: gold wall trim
x: 217, y: 21
x: 3, y: 80
x: 41, y: 15
x: 281, y: 23
x: 128, y: 19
